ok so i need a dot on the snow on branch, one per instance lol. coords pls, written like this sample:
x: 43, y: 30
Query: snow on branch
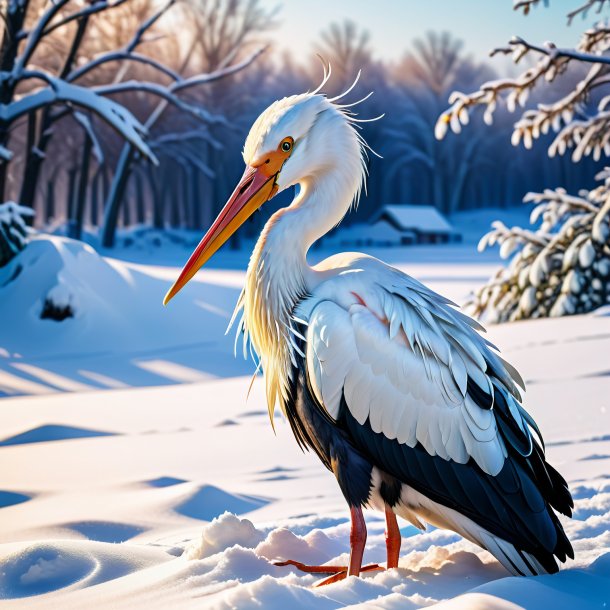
x: 583, y: 10
x: 14, y: 231
x: 587, y: 135
x: 560, y: 269
x: 86, y: 124
x: 114, y: 114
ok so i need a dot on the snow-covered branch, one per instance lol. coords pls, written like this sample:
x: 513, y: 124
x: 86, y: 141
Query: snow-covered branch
x: 59, y: 90
x: 562, y: 268
x: 13, y: 229
x: 86, y: 124
x: 122, y: 56
x: 585, y: 136
x: 527, y: 5
x: 165, y: 93
x: 35, y: 36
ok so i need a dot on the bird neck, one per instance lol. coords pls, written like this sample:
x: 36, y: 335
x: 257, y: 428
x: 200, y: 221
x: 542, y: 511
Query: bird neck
x: 279, y: 276
x: 279, y: 260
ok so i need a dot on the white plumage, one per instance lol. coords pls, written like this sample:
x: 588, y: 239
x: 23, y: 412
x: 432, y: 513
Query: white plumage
x: 402, y: 357
x: 388, y: 382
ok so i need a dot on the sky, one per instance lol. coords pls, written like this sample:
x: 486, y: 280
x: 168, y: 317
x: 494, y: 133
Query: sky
x: 393, y: 24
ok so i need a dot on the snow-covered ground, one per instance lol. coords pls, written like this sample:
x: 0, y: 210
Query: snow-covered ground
x: 126, y: 435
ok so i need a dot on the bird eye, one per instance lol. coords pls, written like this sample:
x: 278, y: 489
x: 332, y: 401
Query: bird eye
x: 286, y: 145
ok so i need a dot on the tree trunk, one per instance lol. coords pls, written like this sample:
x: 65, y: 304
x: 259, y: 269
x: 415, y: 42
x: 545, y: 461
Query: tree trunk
x: 50, y: 201
x: 70, y: 199
x: 156, y: 195
x: 139, y: 193
x: 185, y: 192
x: 94, y: 208
x: 14, y: 20
x: 81, y: 196
x: 174, y: 211
x: 34, y: 160
x: 117, y: 192
x: 194, y: 181
x: 28, y: 188
x: 126, y: 208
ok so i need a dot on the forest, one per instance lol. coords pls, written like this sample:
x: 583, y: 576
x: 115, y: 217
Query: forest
x: 129, y: 112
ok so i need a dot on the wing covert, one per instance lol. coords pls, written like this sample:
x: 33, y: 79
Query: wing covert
x: 417, y: 370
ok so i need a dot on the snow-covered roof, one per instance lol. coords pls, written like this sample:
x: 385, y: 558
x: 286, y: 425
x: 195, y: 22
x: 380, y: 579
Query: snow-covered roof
x: 422, y: 218
x: 374, y: 233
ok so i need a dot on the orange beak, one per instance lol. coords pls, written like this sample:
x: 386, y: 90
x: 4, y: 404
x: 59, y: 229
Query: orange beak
x: 257, y: 185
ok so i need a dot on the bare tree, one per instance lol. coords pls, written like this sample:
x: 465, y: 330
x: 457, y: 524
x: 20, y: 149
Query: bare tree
x: 224, y: 30
x: 53, y: 69
x: 437, y: 61
x: 347, y: 48
x: 21, y: 74
x: 437, y: 172
x: 221, y: 35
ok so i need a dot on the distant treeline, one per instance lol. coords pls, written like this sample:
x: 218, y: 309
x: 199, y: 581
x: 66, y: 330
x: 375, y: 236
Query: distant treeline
x: 200, y: 160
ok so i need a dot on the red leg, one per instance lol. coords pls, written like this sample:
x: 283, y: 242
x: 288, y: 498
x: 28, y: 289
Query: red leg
x: 392, y: 538
x: 357, y: 540
x: 357, y: 543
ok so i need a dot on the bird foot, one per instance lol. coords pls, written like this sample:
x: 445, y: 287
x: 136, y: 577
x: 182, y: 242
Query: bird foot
x: 337, y: 572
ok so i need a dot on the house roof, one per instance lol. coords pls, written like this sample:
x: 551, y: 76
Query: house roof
x: 368, y: 232
x: 423, y: 218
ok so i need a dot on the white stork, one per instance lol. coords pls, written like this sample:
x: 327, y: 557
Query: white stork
x: 392, y: 387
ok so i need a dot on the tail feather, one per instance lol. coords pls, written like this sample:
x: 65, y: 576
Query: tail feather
x: 517, y: 561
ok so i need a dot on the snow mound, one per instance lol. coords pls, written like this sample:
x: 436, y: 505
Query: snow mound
x: 223, y: 532
x: 64, y: 273
x: 313, y: 548
x: 209, y: 502
x: 10, y: 498
x: 55, y: 279
x: 43, y: 567
x: 65, y: 301
x: 267, y: 592
x: 51, y: 432
x: 106, y: 531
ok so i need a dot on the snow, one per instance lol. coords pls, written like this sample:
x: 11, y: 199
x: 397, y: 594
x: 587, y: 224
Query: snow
x: 59, y: 90
x: 136, y: 474
x: 424, y: 218
x: 380, y: 233
x: 102, y: 343
x: 473, y: 224
x: 13, y: 229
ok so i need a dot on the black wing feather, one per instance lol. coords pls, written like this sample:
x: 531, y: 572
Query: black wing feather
x: 515, y: 505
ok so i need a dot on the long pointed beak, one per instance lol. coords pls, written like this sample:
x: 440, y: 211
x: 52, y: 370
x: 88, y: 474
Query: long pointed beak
x: 256, y: 186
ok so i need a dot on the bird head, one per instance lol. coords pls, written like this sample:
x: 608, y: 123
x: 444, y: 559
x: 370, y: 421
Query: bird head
x: 295, y: 139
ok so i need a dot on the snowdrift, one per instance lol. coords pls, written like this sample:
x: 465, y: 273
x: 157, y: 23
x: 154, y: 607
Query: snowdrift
x: 64, y: 308
x: 181, y: 496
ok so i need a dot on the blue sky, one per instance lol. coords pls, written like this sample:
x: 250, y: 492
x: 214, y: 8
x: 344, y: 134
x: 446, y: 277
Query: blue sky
x: 482, y: 24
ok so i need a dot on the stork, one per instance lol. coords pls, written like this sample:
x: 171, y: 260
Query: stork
x: 393, y: 388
